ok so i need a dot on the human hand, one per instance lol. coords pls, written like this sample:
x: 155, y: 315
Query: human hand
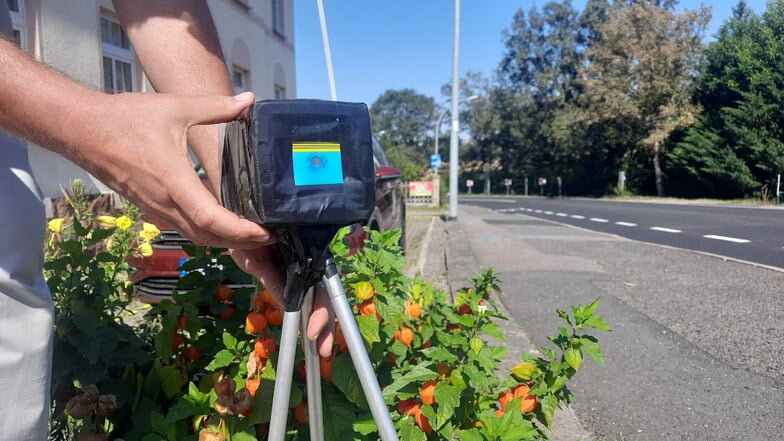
x: 262, y: 263
x: 139, y: 149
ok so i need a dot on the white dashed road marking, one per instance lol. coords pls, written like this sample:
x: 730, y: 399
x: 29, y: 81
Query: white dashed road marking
x: 626, y: 224
x: 598, y: 219
x: 726, y: 239
x: 577, y: 216
x: 666, y: 230
x: 561, y: 214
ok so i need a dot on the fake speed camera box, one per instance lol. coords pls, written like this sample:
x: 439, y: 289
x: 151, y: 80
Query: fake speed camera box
x: 300, y: 162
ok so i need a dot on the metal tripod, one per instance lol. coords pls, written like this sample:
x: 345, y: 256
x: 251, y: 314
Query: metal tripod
x: 293, y: 322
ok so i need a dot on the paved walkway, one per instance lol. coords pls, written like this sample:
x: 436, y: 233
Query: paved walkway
x: 442, y: 254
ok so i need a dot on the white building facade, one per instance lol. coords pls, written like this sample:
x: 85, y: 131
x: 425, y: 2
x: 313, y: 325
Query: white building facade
x: 82, y: 39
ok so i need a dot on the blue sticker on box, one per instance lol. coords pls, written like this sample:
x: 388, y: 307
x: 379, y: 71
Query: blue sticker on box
x: 317, y: 163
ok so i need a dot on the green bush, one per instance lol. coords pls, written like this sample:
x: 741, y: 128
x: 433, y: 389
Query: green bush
x: 202, y: 366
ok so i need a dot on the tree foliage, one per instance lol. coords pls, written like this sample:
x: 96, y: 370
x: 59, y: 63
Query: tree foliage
x: 641, y: 69
x: 736, y: 146
x: 623, y: 85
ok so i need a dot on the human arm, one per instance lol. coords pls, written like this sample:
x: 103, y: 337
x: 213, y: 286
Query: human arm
x: 134, y: 143
x: 177, y: 44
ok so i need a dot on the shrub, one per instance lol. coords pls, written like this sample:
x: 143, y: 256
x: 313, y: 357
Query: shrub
x: 202, y: 365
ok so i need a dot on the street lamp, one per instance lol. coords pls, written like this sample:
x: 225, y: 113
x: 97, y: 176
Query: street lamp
x: 438, y: 123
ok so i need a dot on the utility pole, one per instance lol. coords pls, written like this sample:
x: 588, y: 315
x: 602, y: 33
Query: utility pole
x: 454, y: 155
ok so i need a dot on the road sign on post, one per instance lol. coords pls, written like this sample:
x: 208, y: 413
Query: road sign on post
x: 507, y: 184
x: 435, y: 160
x: 469, y: 184
x: 542, y: 183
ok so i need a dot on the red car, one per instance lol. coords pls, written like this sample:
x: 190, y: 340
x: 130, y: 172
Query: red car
x: 156, y: 276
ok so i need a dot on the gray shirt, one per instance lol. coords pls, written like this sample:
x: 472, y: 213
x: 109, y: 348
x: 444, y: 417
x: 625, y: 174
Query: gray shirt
x: 21, y: 210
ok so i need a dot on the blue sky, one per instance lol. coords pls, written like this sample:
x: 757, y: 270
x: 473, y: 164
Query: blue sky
x: 394, y: 44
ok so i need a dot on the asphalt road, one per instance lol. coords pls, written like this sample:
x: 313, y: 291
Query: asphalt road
x: 696, y: 347
x: 746, y: 233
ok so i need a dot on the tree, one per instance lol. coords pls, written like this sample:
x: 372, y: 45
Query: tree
x: 737, y: 145
x: 641, y: 69
x: 405, y: 116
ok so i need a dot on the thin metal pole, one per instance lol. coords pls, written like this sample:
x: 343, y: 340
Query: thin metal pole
x: 454, y: 155
x: 359, y: 356
x: 283, y: 376
x: 438, y: 129
x: 312, y: 372
x: 327, y: 52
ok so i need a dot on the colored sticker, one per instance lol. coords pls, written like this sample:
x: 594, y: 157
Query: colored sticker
x: 317, y: 163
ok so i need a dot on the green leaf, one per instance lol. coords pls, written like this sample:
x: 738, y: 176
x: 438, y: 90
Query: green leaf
x: 557, y: 384
x: 171, y: 380
x: 591, y: 307
x: 411, y: 432
x: 347, y: 381
x: 243, y: 436
x: 492, y: 329
x: 523, y: 371
x: 574, y: 357
x: 339, y: 415
x: 565, y: 316
x: 417, y: 374
x: 181, y: 410
x: 229, y: 341
x: 597, y: 322
x: 368, y: 327
x: 159, y: 424
x: 222, y: 359
x: 448, y: 398
x: 439, y: 353
x: 547, y: 406
x: 469, y: 435
x: 476, y: 344
x: 591, y: 347
x: 365, y: 426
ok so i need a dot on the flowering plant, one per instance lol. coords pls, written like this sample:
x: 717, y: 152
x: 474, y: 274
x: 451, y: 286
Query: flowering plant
x: 202, y: 365
x: 87, y: 272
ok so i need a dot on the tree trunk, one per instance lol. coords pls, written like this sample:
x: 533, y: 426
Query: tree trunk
x: 657, y: 170
x: 487, y: 178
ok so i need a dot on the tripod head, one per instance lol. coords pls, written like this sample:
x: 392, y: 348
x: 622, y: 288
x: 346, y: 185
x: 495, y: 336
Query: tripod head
x: 304, y: 169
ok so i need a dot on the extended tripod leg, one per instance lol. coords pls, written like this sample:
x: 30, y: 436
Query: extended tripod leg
x: 312, y: 372
x: 359, y: 356
x: 283, y: 376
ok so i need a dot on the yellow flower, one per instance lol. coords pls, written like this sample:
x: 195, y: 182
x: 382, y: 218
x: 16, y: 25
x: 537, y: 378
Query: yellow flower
x: 149, y: 231
x: 106, y: 221
x: 124, y: 222
x: 364, y: 290
x: 145, y: 249
x: 56, y: 224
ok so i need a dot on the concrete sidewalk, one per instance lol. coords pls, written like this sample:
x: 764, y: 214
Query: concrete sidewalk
x: 695, y: 352
x: 441, y: 253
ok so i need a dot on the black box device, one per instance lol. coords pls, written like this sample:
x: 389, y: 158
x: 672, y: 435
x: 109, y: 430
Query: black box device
x: 300, y: 162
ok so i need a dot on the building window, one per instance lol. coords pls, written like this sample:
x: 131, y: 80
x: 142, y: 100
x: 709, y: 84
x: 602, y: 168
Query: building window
x: 280, y: 92
x: 16, y: 7
x: 239, y: 79
x: 277, y: 16
x: 118, y: 59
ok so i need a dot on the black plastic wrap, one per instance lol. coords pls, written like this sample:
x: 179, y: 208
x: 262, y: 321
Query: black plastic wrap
x: 300, y: 162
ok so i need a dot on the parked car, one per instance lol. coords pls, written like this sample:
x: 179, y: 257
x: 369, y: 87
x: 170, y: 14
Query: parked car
x: 156, y: 276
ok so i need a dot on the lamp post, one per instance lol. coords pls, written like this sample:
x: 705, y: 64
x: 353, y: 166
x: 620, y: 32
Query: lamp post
x: 441, y: 117
x: 453, y: 153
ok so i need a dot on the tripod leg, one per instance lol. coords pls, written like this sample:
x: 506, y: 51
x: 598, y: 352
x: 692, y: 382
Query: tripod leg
x: 359, y: 356
x: 283, y: 376
x: 313, y: 375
